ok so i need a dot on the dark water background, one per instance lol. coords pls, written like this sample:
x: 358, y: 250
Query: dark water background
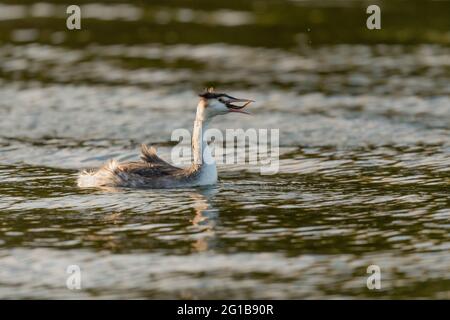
x: 364, y: 120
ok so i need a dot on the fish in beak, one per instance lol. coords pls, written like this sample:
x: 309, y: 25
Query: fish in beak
x: 236, y: 105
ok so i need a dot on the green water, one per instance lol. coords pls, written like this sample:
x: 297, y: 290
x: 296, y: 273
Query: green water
x: 364, y: 149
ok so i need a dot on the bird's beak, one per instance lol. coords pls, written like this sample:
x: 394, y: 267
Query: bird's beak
x: 236, y: 105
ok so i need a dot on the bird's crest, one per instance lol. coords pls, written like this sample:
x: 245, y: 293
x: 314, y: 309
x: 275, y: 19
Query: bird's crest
x: 209, y: 93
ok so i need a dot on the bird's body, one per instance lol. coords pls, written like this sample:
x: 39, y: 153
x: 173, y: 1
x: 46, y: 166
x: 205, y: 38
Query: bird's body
x: 153, y: 172
x: 150, y: 172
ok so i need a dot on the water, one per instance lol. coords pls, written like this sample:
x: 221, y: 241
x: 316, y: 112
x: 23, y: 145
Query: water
x: 364, y: 154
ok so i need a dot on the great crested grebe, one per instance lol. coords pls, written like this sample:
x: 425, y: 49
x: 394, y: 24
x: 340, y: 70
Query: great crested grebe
x: 153, y: 172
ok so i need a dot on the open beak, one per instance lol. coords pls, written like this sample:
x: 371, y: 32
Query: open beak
x: 236, y: 105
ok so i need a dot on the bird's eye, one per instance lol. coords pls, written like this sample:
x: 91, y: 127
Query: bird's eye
x: 221, y: 100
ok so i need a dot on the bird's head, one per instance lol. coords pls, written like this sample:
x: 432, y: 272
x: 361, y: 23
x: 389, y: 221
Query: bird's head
x: 214, y: 104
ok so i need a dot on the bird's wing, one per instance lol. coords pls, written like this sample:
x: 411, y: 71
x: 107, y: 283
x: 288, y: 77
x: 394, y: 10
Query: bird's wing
x: 146, y: 169
x: 150, y: 166
x: 148, y: 154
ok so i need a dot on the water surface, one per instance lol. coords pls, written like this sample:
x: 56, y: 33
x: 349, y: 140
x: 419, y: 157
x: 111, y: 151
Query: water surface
x: 364, y: 170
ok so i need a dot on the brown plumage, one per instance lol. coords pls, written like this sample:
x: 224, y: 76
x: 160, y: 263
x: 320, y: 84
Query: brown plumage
x: 150, y: 172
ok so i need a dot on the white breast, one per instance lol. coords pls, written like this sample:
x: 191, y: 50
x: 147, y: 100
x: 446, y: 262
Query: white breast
x: 208, y: 173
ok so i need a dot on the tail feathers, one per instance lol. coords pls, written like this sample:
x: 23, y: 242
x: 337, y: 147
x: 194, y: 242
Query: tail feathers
x: 105, y: 176
x: 86, y: 179
x: 111, y: 166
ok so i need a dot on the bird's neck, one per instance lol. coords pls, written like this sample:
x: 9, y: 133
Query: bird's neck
x: 200, y: 149
x: 204, y: 162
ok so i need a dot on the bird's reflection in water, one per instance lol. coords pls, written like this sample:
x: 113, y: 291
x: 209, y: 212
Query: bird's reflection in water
x: 205, y: 219
x: 203, y: 222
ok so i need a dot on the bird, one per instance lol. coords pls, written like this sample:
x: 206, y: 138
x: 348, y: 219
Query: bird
x: 153, y: 172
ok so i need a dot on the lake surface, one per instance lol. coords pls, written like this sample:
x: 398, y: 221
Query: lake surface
x: 364, y: 170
